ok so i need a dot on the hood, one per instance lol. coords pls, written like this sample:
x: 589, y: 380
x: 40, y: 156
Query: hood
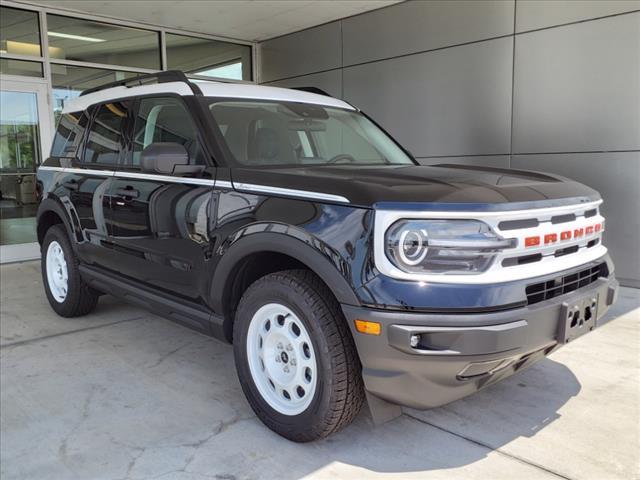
x: 450, y: 185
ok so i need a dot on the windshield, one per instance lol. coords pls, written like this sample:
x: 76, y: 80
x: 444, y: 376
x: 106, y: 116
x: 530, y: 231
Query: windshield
x: 260, y: 133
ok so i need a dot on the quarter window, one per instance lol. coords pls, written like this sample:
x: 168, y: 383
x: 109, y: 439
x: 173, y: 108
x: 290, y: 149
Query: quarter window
x: 105, y: 142
x: 69, y: 133
x: 165, y: 119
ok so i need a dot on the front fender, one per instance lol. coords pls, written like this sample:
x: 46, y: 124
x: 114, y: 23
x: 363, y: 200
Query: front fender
x: 284, y: 239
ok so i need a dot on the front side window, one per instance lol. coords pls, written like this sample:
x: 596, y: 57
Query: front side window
x: 69, y: 133
x: 286, y: 133
x: 165, y: 119
x: 105, y: 142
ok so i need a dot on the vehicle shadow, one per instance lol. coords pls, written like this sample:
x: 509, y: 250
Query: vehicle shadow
x: 462, y: 432
x: 453, y: 436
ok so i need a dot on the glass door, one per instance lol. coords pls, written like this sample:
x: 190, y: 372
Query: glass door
x: 25, y: 139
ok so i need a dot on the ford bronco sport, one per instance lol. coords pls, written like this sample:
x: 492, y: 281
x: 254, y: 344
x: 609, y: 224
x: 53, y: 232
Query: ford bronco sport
x: 288, y: 223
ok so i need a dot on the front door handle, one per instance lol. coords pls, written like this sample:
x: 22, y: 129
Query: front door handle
x: 127, y: 192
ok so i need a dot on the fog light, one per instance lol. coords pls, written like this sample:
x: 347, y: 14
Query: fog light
x: 414, y: 341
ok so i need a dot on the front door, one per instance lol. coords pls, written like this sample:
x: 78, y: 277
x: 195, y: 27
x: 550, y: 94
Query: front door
x: 25, y: 139
x: 160, y: 223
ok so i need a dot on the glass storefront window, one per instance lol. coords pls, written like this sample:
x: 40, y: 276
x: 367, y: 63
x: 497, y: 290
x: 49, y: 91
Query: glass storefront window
x: 210, y: 58
x: 68, y: 82
x: 82, y: 54
x: 19, y: 156
x: 20, y: 67
x: 19, y: 32
x: 95, y: 42
x: 19, y: 145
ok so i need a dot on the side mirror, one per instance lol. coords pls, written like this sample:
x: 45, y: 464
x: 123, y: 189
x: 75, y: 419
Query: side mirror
x: 167, y: 158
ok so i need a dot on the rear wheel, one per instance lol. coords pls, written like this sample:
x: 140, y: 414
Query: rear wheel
x: 295, y: 356
x: 68, y: 294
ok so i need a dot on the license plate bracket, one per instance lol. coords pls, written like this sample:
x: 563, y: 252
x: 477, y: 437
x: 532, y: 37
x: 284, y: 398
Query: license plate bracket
x: 577, y: 318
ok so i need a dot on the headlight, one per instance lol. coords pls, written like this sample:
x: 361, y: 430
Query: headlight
x: 443, y: 246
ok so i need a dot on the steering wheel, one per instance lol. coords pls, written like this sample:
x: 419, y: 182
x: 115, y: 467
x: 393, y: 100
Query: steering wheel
x: 342, y: 156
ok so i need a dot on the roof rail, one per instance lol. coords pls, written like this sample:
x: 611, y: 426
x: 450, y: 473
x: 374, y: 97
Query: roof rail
x: 316, y: 90
x: 160, y: 77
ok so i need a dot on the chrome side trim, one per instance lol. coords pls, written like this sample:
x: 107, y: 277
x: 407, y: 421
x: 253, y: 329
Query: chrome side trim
x: 290, y: 192
x: 90, y: 171
x: 224, y: 184
x: 165, y: 178
x: 246, y: 187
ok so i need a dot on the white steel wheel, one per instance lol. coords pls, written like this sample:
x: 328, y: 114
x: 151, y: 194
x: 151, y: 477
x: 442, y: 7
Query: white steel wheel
x: 281, y: 359
x: 57, y: 274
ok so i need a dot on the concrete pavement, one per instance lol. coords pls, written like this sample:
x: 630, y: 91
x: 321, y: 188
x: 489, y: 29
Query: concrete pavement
x: 123, y: 394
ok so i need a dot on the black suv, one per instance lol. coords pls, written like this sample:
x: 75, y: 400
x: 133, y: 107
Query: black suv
x: 288, y: 223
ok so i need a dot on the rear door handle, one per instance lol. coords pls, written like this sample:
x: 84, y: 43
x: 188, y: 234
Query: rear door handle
x: 127, y: 192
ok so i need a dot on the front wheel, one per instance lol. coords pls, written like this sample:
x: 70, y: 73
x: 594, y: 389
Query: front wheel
x: 295, y: 357
x: 68, y: 294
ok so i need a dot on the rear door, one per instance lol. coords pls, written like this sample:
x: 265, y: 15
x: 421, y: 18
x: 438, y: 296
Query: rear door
x: 160, y: 223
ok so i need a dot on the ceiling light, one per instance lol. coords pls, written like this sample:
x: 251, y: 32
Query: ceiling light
x: 75, y: 37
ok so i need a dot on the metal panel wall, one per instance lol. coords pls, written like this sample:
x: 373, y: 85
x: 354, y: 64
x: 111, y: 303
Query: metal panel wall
x: 445, y: 102
x: 419, y: 26
x: 535, y: 14
x: 577, y: 87
x: 308, y: 51
x: 445, y: 79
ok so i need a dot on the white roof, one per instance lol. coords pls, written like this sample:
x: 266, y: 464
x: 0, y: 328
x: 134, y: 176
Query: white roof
x: 209, y: 89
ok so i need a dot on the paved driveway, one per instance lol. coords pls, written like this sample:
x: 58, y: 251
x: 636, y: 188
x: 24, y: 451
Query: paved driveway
x: 125, y: 394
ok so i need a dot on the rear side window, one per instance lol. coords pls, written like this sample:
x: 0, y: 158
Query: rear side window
x: 165, y: 119
x: 69, y: 134
x: 105, y: 142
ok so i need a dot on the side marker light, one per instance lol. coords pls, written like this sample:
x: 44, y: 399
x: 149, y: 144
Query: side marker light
x: 367, y: 327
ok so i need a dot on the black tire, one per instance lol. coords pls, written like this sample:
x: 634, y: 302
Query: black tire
x: 339, y: 393
x: 80, y: 298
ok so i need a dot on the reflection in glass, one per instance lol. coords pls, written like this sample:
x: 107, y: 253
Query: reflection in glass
x: 68, y: 82
x: 211, y: 58
x: 20, y: 67
x: 165, y: 119
x: 104, y: 143
x: 19, y: 156
x: 19, y: 32
x: 95, y: 42
x: 69, y: 134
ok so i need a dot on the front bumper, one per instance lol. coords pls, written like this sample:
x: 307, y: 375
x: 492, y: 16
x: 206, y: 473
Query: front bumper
x: 457, y: 354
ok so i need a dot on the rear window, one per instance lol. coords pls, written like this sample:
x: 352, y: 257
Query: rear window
x: 69, y: 134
